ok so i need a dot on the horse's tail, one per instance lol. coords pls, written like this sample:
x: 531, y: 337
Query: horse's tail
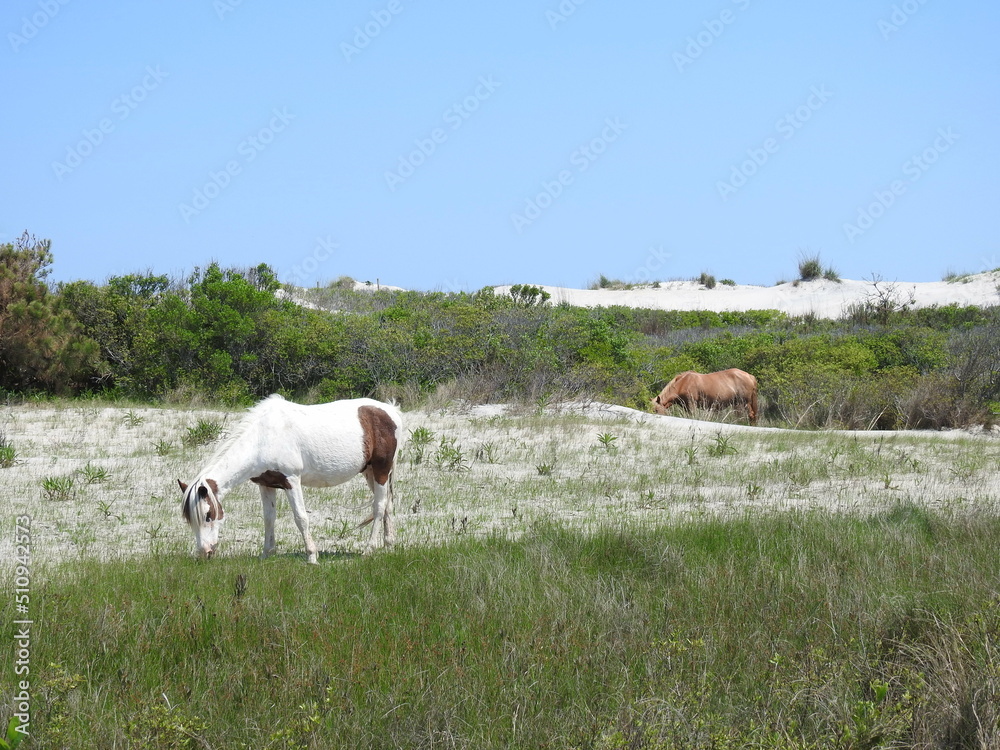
x: 392, y: 496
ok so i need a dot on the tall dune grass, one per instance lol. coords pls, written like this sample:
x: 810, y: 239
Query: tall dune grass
x: 791, y: 630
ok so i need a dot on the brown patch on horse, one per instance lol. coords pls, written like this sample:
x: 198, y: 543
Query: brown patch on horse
x: 185, y: 511
x: 378, y: 442
x: 215, y: 511
x: 273, y: 479
x: 208, y: 494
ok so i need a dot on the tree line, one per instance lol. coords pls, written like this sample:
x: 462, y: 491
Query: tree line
x: 232, y: 335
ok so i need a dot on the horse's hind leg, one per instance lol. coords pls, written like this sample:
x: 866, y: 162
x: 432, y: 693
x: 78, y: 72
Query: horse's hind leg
x: 296, y: 501
x: 268, y: 496
x: 381, y: 512
x: 388, y: 526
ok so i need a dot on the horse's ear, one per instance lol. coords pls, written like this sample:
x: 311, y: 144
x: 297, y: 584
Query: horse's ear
x: 183, y: 486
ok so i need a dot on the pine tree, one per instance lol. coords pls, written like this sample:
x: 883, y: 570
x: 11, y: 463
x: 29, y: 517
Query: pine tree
x: 40, y: 346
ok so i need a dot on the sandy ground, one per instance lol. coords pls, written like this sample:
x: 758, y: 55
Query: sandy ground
x: 825, y: 299
x: 496, y: 469
x: 486, y: 469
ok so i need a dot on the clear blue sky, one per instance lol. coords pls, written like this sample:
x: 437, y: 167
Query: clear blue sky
x: 451, y: 145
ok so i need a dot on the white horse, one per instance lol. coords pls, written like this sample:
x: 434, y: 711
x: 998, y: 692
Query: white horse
x: 282, y: 445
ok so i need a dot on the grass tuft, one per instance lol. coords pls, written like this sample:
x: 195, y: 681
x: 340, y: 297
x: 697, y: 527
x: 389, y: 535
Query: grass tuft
x: 8, y: 453
x: 811, y: 268
x: 203, y: 433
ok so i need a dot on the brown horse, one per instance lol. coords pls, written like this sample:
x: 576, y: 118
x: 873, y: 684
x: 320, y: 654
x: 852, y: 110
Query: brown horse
x: 710, y: 390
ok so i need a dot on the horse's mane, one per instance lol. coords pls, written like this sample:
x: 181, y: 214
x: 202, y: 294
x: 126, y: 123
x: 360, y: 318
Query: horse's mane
x: 242, y: 427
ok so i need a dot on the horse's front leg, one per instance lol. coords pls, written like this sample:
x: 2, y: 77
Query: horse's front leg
x: 268, y: 496
x: 301, y: 516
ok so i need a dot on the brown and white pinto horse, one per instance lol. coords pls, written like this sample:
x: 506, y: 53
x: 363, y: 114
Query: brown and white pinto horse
x: 287, y: 446
x: 710, y: 390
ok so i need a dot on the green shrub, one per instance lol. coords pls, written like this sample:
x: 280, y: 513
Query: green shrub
x: 602, y: 282
x: 938, y: 401
x: 529, y: 295
x: 343, y: 282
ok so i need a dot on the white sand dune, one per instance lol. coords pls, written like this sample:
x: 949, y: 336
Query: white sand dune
x: 826, y: 299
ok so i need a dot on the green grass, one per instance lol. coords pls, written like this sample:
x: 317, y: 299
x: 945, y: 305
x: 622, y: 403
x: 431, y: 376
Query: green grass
x: 800, y: 629
x: 58, y: 488
x: 203, y: 433
x: 8, y: 453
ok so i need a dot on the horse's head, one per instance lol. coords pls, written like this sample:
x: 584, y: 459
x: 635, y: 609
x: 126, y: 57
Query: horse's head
x: 662, y: 403
x: 676, y: 391
x: 658, y: 406
x: 202, y: 509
